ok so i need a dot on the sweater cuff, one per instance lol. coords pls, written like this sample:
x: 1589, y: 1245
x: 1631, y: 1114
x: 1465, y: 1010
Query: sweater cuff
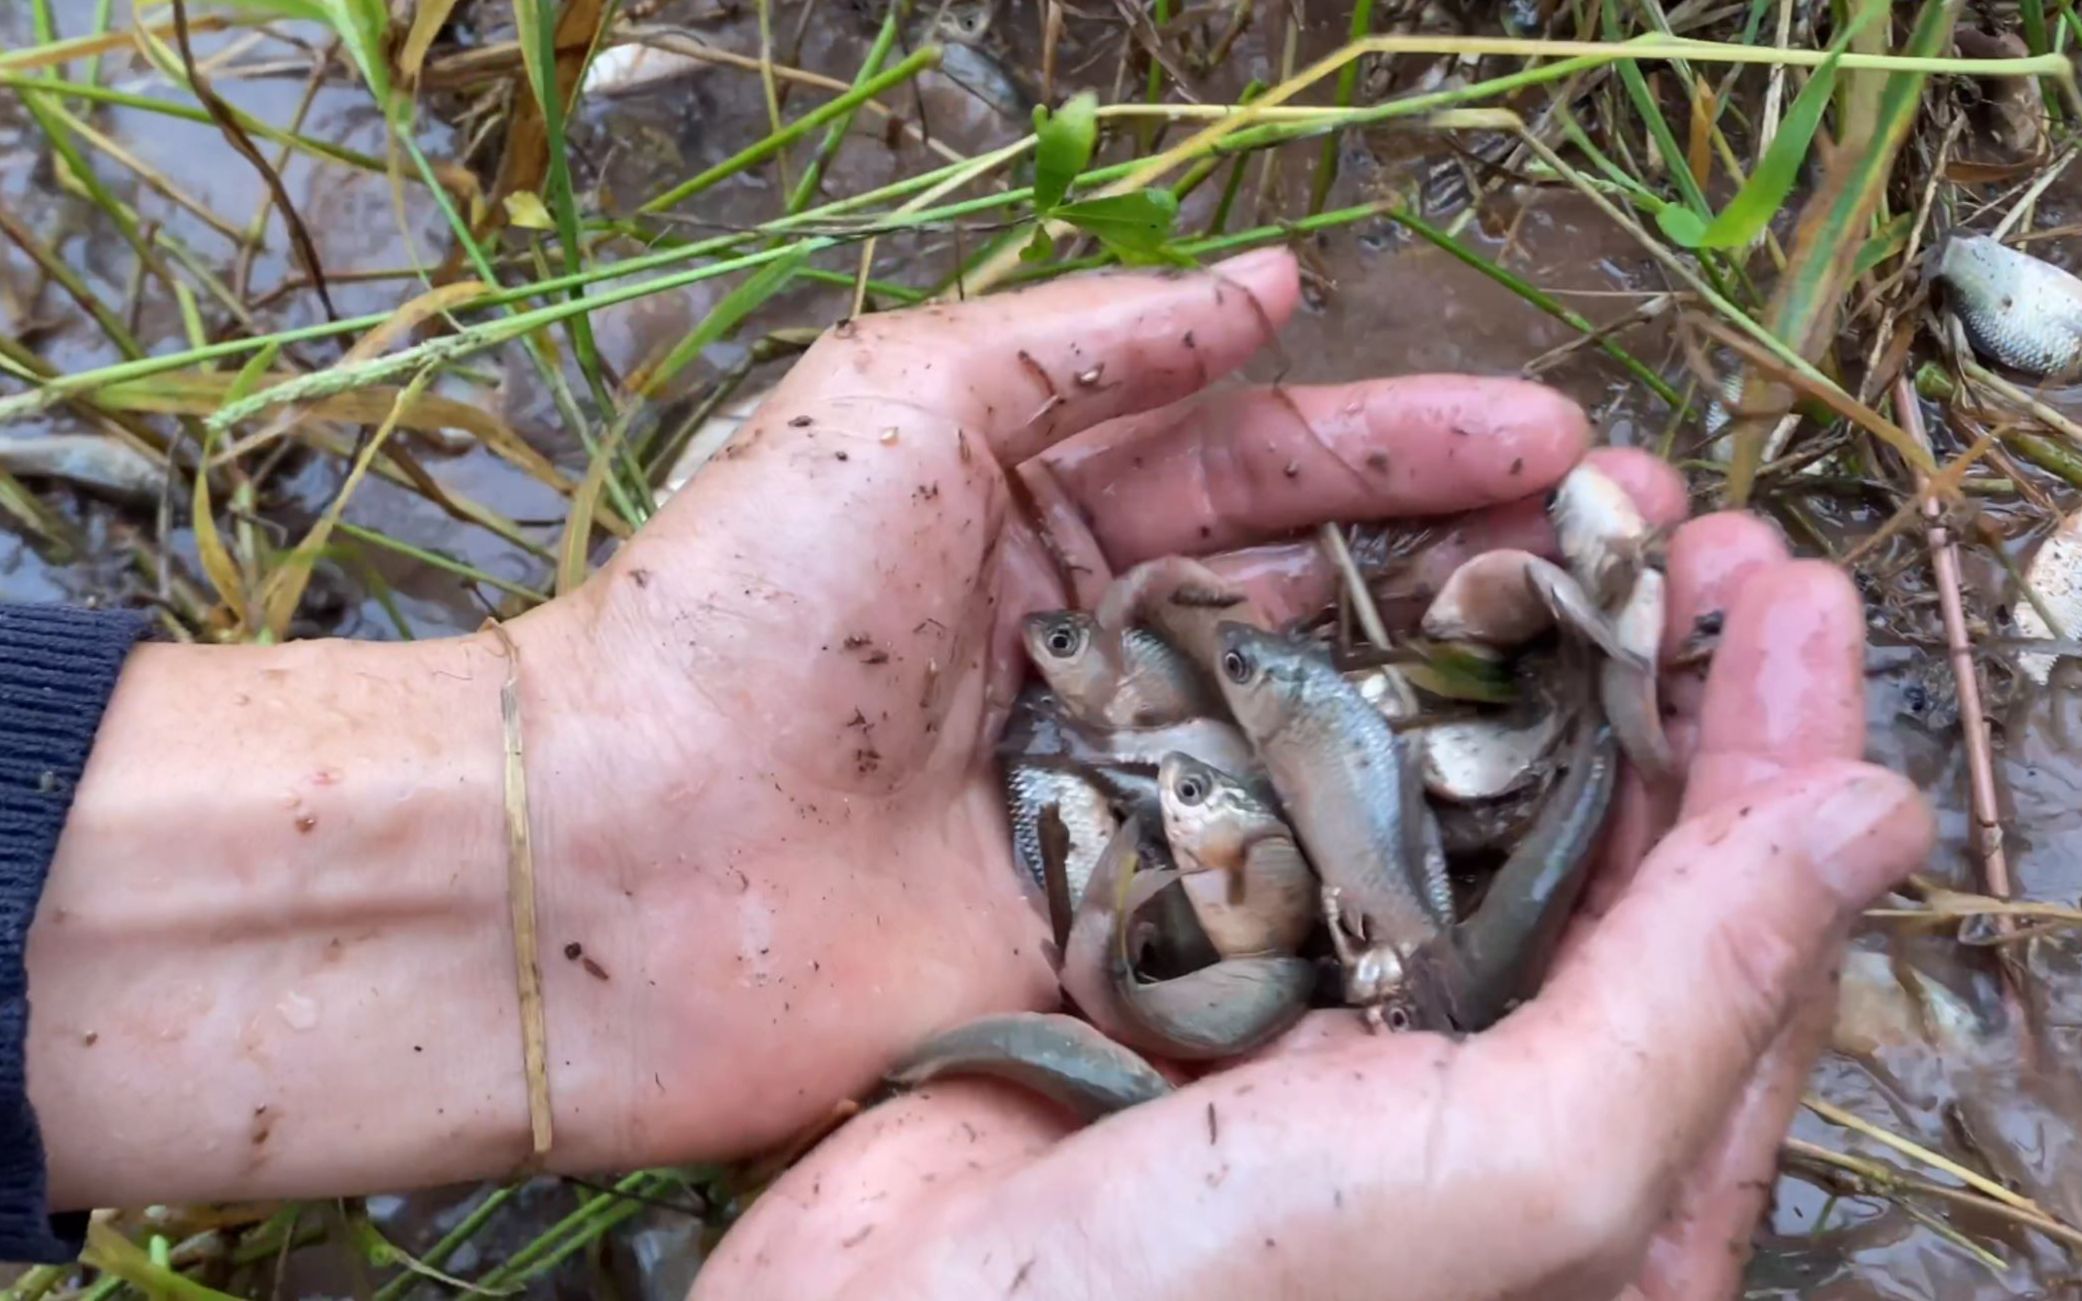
x: 58, y: 668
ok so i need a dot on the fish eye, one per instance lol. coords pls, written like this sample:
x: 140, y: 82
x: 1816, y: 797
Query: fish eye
x: 1398, y: 1018
x: 1061, y: 641
x: 1237, y: 665
x: 1191, y: 790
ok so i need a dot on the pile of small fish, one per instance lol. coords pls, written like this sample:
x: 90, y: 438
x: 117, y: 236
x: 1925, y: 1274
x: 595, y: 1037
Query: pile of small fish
x: 1234, y: 822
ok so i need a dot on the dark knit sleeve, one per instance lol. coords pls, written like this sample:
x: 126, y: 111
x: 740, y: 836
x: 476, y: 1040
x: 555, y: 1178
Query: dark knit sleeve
x: 58, y: 668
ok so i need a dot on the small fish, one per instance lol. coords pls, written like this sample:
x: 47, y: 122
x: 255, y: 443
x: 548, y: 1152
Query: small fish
x: 1602, y: 533
x: 1249, y: 886
x: 2018, y: 311
x: 1124, y: 760
x: 1216, y: 1011
x: 92, y: 461
x: 1627, y: 687
x: 1506, y: 598
x: 1111, y: 678
x: 1351, y: 787
x: 1476, y: 759
x: 1499, y: 955
x: 1214, y: 1008
x: 634, y: 65
x: 1087, y: 810
x: 1179, y: 599
x: 1059, y: 1057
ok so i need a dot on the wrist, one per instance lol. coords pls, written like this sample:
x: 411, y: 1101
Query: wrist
x: 273, y: 956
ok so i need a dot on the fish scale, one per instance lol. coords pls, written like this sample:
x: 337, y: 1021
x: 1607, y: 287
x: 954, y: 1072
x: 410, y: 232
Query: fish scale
x: 1086, y: 811
x: 2019, y: 311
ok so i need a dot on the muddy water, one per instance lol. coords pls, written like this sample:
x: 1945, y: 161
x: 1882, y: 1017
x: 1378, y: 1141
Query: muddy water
x: 1380, y: 302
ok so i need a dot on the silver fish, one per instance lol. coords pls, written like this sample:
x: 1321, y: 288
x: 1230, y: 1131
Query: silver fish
x: 1113, y: 677
x: 1249, y: 886
x: 1059, y: 1057
x: 1352, y: 788
x: 1032, y: 786
x: 2018, y: 311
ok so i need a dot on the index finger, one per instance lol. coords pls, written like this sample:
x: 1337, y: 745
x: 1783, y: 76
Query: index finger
x: 1234, y: 468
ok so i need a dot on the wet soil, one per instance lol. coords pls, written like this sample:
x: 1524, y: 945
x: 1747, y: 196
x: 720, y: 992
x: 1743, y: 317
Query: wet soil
x: 1380, y: 302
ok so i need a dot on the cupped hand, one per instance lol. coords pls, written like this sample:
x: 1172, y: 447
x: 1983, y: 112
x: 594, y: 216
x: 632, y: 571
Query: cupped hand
x: 759, y: 739
x: 1616, y: 1133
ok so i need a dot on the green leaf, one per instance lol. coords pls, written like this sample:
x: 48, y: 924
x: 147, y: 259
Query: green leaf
x: 250, y: 374
x: 1063, y: 143
x: 1039, y: 248
x: 1684, y: 227
x: 1884, y: 244
x: 364, y: 27
x: 1761, y: 196
x: 1136, y: 226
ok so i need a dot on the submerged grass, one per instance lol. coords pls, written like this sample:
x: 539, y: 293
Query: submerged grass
x: 1783, y: 233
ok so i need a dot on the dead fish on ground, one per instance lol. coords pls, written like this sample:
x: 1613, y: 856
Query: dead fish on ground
x: 972, y: 57
x: 95, y: 462
x: 2018, y: 310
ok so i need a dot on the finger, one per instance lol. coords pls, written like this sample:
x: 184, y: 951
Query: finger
x: 1290, y: 579
x: 1787, y: 685
x: 1237, y: 467
x: 1024, y: 369
x: 1691, y: 975
x: 1702, y: 1249
x: 1711, y: 560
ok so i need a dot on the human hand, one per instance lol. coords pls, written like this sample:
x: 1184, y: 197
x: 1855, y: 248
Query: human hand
x: 768, y: 719
x: 1617, y: 1133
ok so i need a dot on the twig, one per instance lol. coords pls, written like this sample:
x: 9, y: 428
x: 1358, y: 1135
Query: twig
x: 235, y: 136
x: 1980, y: 763
x: 1355, y: 585
x: 1983, y: 798
x: 1884, y: 1179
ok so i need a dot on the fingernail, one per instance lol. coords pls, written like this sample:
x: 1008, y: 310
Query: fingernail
x: 1867, y: 834
x: 1257, y: 259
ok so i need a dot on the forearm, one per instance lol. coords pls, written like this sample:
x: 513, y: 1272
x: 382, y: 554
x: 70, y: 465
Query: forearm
x: 272, y: 956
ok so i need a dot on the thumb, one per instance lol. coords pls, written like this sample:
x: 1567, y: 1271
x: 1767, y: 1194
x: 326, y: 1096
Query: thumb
x: 1658, y: 1017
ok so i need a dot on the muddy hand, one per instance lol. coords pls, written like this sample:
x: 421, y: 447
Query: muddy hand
x: 1335, y: 1159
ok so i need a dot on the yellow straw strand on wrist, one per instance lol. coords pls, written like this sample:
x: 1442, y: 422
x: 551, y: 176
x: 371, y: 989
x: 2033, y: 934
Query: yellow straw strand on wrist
x: 520, y: 894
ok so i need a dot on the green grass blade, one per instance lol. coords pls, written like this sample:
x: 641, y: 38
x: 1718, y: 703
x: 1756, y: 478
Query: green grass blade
x: 722, y: 319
